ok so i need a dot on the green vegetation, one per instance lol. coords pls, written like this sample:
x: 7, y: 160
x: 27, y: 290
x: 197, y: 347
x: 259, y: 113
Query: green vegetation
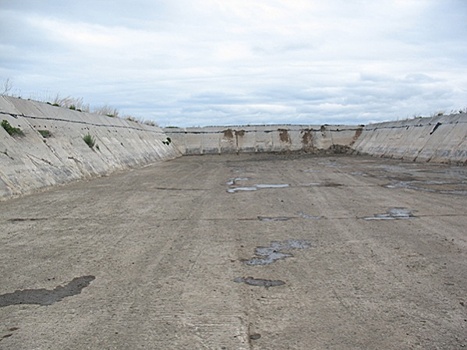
x: 11, y: 130
x: 90, y: 141
x: 45, y: 133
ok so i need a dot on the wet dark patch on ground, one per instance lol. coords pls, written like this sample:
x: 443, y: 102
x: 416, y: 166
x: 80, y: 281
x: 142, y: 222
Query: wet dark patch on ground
x: 255, y: 336
x: 268, y: 255
x: 321, y: 184
x: 45, y: 297
x: 392, y: 214
x: 25, y: 219
x: 258, y: 282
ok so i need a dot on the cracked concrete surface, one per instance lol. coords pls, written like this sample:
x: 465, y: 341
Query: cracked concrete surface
x: 165, y: 244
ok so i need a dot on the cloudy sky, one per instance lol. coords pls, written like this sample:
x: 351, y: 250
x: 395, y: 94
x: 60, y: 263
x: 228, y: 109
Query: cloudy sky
x: 224, y: 62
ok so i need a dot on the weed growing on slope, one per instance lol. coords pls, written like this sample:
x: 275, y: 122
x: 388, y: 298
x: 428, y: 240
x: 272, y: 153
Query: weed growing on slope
x: 11, y: 130
x: 45, y: 133
x: 90, y: 141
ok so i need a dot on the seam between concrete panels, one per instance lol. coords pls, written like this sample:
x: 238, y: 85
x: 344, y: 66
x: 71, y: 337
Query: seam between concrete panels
x: 81, y: 122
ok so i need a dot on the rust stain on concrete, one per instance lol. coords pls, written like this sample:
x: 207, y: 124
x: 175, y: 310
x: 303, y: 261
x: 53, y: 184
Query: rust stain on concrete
x: 284, y: 135
x: 228, y: 134
x: 307, y: 138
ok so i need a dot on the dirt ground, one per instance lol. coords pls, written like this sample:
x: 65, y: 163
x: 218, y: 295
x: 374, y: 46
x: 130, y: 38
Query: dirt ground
x: 240, y: 252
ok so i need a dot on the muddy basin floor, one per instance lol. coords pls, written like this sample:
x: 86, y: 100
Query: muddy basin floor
x: 240, y: 252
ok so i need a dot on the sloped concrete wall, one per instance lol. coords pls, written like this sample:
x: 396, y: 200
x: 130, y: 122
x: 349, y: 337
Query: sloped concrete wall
x: 440, y: 139
x: 31, y: 161
x: 271, y: 138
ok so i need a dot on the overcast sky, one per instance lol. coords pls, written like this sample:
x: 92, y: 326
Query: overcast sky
x: 224, y: 62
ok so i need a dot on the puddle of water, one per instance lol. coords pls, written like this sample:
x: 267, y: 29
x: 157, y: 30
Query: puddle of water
x: 392, y: 214
x: 420, y: 186
x: 45, y: 297
x: 255, y: 187
x: 269, y: 258
x: 258, y: 282
x: 232, y: 182
x: 274, y: 218
x: 268, y: 255
x: 306, y: 216
x: 238, y: 189
x: 272, y: 185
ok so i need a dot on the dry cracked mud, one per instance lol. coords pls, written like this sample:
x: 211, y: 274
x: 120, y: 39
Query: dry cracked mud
x: 161, y: 250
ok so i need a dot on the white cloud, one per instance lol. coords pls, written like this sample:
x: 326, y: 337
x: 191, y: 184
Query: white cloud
x: 207, y: 62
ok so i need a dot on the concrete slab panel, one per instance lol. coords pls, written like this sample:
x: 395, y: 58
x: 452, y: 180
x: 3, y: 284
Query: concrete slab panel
x: 355, y: 253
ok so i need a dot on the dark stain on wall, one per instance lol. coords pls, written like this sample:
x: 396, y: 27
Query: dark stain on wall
x: 436, y: 127
x: 228, y: 134
x: 323, y: 130
x: 358, y: 132
x: 284, y: 135
x: 240, y: 133
x: 307, y: 138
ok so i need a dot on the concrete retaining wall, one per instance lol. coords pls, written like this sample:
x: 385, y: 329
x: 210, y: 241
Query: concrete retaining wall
x: 32, y: 161
x: 441, y: 139
x: 272, y: 138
